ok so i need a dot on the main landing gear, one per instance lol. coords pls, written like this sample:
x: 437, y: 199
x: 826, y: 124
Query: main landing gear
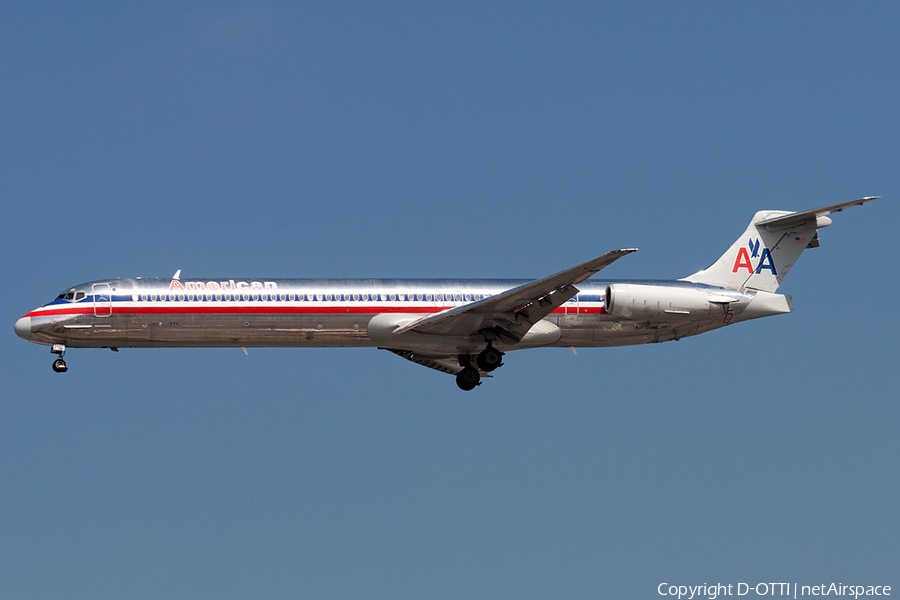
x: 468, y: 379
x: 487, y: 360
x: 59, y: 365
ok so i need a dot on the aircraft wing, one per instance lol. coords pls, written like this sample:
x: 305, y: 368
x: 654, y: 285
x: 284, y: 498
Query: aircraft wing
x: 444, y: 363
x: 511, y: 314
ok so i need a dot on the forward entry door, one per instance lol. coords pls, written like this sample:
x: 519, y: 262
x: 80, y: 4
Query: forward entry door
x: 102, y: 300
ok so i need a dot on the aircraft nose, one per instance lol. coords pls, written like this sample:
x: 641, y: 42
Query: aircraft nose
x: 23, y: 328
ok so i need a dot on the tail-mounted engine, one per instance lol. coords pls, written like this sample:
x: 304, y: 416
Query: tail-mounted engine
x: 635, y: 301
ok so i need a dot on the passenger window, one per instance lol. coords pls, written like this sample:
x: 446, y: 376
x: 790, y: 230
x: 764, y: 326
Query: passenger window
x: 181, y: 297
x: 153, y: 297
x: 255, y: 297
x: 218, y: 297
x: 190, y: 297
x: 356, y: 297
x: 468, y: 297
x: 144, y: 297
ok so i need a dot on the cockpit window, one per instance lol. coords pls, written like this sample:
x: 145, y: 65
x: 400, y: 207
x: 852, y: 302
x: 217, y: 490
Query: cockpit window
x: 79, y: 296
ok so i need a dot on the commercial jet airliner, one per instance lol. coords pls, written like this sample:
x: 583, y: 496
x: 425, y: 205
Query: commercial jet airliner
x: 458, y: 326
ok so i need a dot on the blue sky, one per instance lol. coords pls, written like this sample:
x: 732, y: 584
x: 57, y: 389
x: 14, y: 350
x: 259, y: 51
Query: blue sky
x: 467, y: 140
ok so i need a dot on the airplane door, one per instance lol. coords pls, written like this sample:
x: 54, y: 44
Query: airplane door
x: 571, y: 306
x: 102, y: 300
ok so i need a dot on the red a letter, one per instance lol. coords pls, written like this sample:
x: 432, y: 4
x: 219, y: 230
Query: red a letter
x: 742, y: 261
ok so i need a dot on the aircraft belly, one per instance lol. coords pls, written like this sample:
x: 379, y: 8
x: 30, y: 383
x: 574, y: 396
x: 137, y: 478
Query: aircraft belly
x: 337, y: 330
x: 251, y: 330
x: 215, y: 330
x: 606, y: 331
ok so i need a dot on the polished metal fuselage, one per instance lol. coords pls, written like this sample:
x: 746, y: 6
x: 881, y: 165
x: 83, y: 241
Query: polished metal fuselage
x: 157, y: 313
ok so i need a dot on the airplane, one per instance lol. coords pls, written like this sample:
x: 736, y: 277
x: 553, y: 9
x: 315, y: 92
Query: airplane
x: 463, y: 327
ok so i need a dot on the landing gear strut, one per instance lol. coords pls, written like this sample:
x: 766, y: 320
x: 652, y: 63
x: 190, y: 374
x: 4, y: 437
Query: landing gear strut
x: 59, y: 365
x: 468, y: 379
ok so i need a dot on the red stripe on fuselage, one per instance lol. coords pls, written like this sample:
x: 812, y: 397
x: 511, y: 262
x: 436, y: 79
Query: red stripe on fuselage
x: 243, y: 310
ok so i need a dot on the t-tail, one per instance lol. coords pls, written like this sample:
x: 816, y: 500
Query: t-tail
x: 766, y: 251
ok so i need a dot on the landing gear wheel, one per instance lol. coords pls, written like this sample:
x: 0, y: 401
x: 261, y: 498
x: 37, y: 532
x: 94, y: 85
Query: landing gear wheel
x: 59, y: 365
x: 489, y: 359
x: 468, y: 379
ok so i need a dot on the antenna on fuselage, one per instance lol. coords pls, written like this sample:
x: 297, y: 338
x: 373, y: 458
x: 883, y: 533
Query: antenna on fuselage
x: 177, y: 274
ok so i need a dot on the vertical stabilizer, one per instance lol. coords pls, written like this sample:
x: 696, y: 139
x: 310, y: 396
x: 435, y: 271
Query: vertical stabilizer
x: 772, y: 243
x: 760, y: 258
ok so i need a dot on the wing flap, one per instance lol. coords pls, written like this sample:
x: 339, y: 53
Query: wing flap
x: 439, y: 362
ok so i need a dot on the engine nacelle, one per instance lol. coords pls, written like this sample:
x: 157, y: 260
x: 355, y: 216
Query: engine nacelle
x: 635, y: 301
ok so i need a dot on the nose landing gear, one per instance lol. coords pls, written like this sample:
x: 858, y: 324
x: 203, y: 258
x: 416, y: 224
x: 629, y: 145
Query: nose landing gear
x: 59, y: 365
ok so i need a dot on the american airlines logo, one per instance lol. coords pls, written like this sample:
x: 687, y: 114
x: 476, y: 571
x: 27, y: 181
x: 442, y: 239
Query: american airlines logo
x: 230, y: 285
x: 745, y: 254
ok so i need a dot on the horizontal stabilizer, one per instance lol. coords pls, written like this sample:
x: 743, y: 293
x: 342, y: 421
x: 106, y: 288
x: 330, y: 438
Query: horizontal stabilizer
x: 811, y: 216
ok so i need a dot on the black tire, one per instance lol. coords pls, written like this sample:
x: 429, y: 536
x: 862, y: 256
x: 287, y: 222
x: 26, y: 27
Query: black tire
x: 468, y: 379
x: 489, y: 359
x: 59, y: 365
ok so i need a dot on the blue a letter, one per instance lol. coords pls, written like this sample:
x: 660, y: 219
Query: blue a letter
x: 766, y: 256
